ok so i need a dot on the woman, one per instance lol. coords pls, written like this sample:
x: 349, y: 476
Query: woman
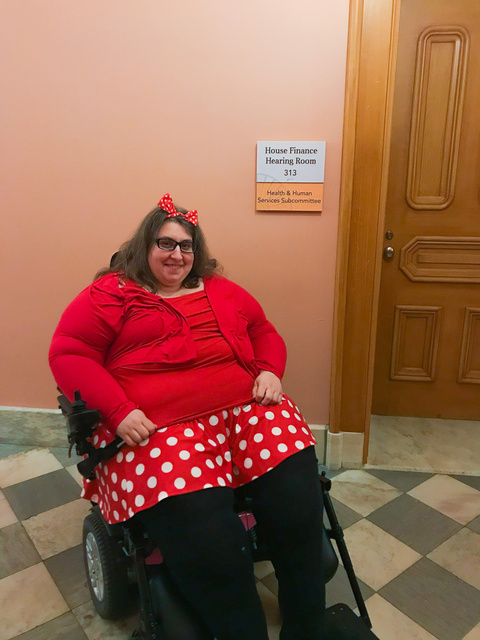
x: 185, y: 367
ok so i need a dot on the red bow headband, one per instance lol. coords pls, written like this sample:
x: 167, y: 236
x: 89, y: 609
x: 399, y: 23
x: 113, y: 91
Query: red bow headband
x: 166, y: 203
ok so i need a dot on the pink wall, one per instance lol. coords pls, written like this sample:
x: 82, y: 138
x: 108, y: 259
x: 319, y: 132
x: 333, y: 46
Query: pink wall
x: 107, y: 105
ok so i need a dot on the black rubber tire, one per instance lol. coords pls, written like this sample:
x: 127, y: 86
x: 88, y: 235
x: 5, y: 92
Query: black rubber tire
x: 106, y: 569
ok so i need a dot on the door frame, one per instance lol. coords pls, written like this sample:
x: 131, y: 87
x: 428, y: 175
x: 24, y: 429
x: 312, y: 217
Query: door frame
x: 370, y: 78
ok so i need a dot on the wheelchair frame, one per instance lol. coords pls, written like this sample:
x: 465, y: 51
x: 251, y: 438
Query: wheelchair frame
x: 123, y: 553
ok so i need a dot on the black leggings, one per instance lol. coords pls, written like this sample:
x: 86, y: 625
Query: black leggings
x: 205, y: 547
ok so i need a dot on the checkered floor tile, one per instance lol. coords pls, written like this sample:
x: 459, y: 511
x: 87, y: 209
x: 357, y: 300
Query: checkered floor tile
x: 414, y: 539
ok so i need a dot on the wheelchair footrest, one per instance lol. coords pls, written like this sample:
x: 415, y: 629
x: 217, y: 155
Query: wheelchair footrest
x: 342, y: 624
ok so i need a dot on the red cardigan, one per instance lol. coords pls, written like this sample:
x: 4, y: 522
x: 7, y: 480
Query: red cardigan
x: 110, y: 325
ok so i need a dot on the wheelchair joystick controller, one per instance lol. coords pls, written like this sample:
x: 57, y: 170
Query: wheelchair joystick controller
x: 81, y: 424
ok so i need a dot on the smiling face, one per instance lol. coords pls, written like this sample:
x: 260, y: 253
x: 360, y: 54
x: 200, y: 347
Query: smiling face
x: 170, y: 268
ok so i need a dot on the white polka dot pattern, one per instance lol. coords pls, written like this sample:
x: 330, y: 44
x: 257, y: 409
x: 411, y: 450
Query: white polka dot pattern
x: 226, y: 449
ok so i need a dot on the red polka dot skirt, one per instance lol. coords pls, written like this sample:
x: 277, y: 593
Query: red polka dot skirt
x: 224, y: 449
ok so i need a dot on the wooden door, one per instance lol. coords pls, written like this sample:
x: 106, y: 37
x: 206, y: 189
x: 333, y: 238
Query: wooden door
x: 428, y: 338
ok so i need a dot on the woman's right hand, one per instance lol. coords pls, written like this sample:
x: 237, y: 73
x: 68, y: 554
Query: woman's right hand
x: 135, y: 428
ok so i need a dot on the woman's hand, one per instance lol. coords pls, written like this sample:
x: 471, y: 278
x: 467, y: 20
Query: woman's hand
x: 267, y: 389
x: 135, y: 428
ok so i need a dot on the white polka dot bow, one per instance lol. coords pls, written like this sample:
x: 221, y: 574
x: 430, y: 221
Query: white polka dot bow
x: 166, y: 203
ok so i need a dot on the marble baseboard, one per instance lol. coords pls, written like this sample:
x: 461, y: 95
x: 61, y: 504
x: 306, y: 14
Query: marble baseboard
x: 320, y: 432
x: 344, y: 450
x: 32, y: 427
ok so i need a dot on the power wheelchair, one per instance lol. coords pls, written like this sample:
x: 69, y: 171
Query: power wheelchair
x: 123, y: 567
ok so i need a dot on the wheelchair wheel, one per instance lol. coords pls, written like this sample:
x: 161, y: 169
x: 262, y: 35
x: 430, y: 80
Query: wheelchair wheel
x: 106, y: 569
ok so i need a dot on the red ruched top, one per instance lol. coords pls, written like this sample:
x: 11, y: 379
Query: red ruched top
x: 170, y: 393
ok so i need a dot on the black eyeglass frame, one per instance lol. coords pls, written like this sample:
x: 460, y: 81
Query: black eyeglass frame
x: 176, y: 244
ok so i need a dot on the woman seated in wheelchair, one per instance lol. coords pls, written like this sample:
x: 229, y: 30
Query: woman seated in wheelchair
x: 184, y: 366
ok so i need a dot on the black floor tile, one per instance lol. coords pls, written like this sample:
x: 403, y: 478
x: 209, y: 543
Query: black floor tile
x: 474, y: 525
x: 61, y: 454
x: 40, y: 494
x: 64, y: 627
x: 339, y: 590
x: 472, y: 481
x: 330, y: 473
x: 401, y: 480
x: 414, y: 523
x: 434, y: 598
x: 12, y: 449
x: 345, y: 516
x: 68, y: 572
x: 17, y: 551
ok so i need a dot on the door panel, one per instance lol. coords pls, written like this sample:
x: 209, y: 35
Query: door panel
x: 440, y: 73
x: 428, y: 340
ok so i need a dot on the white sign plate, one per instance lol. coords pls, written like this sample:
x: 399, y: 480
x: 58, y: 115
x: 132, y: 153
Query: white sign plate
x: 291, y: 162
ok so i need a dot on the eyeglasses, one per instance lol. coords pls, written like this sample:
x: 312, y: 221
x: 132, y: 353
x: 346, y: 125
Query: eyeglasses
x: 169, y: 244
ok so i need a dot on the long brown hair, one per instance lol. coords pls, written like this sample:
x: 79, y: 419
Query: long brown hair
x: 132, y: 258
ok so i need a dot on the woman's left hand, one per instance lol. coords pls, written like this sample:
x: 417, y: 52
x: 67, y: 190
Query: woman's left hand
x: 267, y: 389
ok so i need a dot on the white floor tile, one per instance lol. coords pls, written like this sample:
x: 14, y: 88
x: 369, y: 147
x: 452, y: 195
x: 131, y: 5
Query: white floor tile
x: 391, y: 624
x: 27, y: 465
x: 474, y: 634
x: 377, y: 556
x: 96, y: 628
x: 451, y: 497
x: 361, y: 491
x: 460, y: 555
x: 7, y: 516
x: 58, y: 529
x: 28, y: 599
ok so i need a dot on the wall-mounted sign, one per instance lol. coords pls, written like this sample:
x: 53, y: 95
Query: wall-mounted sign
x: 290, y: 176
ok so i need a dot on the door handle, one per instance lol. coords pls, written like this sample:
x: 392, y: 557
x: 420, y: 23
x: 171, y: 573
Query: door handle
x: 388, y: 253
